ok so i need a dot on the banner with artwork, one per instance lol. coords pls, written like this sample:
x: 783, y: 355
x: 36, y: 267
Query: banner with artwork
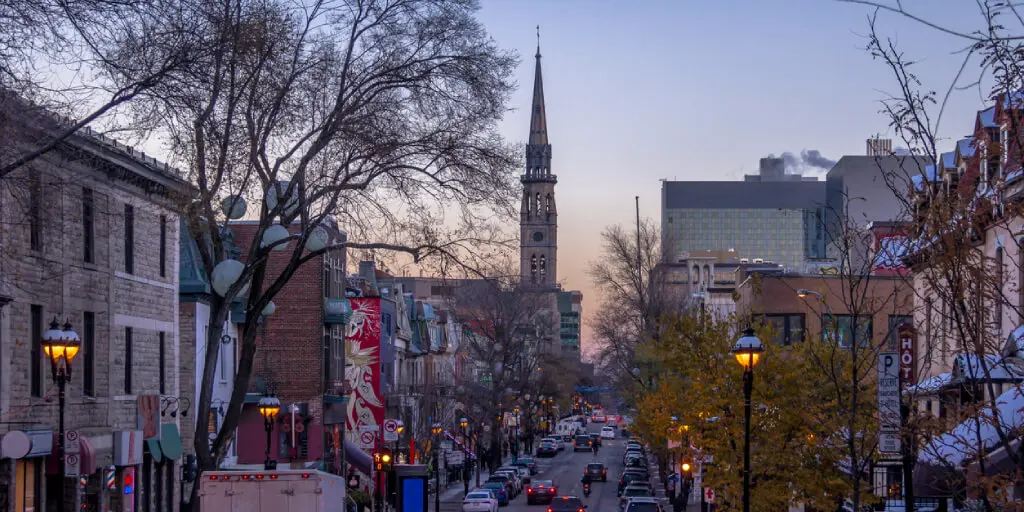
x: 363, y: 372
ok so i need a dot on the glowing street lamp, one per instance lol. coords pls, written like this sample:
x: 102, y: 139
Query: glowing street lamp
x: 269, y: 406
x: 747, y: 351
x: 61, y: 346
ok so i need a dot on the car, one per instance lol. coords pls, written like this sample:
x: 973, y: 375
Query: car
x: 608, y: 433
x: 479, y: 501
x: 555, y: 440
x: 541, y: 491
x: 547, y: 450
x: 632, y: 491
x: 597, y: 471
x: 598, y: 419
x: 500, y: 491
x: 644, y: 475
x: 567, y: 504
x: 627, y: 478
x: 512, y: 474
x: 582, y: 443
x: 523, y: 473
x: 642, y: 504
x: 636, y: 463
x: 596, y: 438
x: 508, y: 482
x: 528, y: 463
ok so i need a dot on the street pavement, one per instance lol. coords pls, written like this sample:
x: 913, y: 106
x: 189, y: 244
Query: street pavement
x: 566, y: 469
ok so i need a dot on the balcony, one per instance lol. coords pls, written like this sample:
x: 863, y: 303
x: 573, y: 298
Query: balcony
x: 337, y: 310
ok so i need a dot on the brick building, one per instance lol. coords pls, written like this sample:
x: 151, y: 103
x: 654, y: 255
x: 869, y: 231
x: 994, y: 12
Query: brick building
x: 89, y: 236
x: 300, y: 357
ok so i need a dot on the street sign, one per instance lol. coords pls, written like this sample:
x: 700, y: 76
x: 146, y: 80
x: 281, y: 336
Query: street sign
x: 390, y: 430
x: 72, y: 463
x: 368, y: 428
x: 709, y: 495
x: 72, y: 442
x: 367, y: 439
x: 889, y: 402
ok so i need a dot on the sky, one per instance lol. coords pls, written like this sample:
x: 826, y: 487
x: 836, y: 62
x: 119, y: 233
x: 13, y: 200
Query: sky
x: 643, y: 90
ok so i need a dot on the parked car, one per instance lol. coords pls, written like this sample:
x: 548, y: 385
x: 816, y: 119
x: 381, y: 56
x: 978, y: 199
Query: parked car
x: 555, y: 440
x: 500, y: 490
x: 607, y: 432
x: 567, y: 504
x: 507, y: 481
x: 597, y: 471
x: 513, y: 475
x: 627, y: 478
x: 541, y: 491
x: 547, y: 449
x: 528, y: 463
x: 479, y: 501
x: 642, y: 504
x: 632, y: 491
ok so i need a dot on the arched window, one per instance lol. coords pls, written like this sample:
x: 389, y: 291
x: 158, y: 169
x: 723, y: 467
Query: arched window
x: 526, y: 204
x: 695, y: 276
x: 533, y: 266
x: 543, y: 265
x: 547, y: 204
x: 537, y: 206
x: 707, y: 275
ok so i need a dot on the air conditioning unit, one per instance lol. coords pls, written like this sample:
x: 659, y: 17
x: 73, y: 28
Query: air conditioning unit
x: 758, y: 261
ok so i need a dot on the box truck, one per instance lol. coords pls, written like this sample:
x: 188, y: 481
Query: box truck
x: 271, y: 491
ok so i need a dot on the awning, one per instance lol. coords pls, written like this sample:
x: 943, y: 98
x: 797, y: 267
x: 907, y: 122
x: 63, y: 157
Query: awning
x: 170, y: 441
x: 86, y: 457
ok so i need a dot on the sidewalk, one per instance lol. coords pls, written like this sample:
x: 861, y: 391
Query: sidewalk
x: 456, y: 490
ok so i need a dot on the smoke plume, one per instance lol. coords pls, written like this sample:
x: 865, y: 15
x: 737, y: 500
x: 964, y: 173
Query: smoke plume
x: 807, y: 160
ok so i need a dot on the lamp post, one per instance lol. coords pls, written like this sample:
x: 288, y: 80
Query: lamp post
x: 269, y: 406
x: 747, y: 351
x: 467, y: 467
x: 61, y: 346
x: 436, y: 431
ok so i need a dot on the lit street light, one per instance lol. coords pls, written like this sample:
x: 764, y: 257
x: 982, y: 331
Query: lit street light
x: 61, y: 346
x: 747, y: 351
x: 269, y: 406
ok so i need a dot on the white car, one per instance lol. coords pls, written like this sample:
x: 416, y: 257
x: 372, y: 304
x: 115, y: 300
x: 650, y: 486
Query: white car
x: 608, y: 433
x: 479, y: 501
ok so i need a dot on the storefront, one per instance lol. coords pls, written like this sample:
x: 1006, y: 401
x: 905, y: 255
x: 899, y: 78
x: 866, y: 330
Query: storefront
x: 22, y: 462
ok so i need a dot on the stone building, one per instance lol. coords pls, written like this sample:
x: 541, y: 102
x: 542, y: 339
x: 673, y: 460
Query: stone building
x: 90, y: 236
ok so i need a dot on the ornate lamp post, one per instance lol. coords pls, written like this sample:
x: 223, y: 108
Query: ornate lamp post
x: 61, y: 346
x: 269, y: 407
x: 436, y: 431
x: 747, y: 351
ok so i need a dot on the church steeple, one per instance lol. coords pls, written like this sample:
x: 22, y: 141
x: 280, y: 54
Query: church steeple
x: 538, y: 215
x: 538, y: 117
x: 538, y: 148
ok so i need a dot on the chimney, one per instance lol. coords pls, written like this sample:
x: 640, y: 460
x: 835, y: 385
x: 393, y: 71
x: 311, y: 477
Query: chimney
x: 879, y: 147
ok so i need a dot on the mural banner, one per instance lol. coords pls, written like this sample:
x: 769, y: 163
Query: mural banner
x: 363, y: 372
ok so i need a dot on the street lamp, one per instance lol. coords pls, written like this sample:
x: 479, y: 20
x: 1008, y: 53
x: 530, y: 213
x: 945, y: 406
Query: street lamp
x: 803, y: 293
x: 436, y: 431
x: 61, y: 346
x: 269, y: 406
x: 467, y: 467
x: 747, y: 351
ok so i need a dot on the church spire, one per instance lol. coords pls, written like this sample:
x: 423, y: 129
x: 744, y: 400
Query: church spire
x: 538, y: 117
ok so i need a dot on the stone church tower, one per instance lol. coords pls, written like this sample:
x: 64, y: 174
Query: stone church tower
x: 538, y: 222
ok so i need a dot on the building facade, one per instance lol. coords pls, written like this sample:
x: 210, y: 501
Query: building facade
x: 570, y: 307
x: 90, y: 237
x: 777, y: 220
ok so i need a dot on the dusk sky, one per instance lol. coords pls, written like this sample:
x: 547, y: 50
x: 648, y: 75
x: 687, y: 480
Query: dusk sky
x: 700, y: 90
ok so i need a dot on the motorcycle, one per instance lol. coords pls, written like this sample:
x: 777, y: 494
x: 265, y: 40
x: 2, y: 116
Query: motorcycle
x: 586, y: 489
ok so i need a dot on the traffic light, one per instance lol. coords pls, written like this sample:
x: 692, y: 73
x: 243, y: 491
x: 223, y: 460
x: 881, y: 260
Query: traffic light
x: 385, y: 459
x: 685, y: 468
x: 378, y: 460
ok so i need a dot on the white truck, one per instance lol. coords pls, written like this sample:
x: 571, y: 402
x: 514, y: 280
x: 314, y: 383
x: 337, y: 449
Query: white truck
x: 271, y: 491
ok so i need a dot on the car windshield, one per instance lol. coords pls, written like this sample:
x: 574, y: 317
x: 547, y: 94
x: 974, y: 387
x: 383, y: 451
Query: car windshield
x: 543, y: 483
x: 566, y: 504
x: 478, y: 496
x: 642, y: 507
x: 595, y: 465
x: 582, y: 439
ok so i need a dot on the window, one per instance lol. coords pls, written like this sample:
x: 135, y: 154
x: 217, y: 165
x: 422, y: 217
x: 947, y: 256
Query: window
x: 225, y: 353
x: 129, y: 238
x: 128, y: 360
x: 839, y: 329
x: 998, y: 309
x: 88, y: 232
x: 89, y: 353
x: 385, y: 320
x: 163, y: 246
x: 533, y: 265
x: 37, y: 350
x: 211, y: 424
x: 543, y: 265
x: 28, y: 481
x: 35, y: 211
x: 788, y: 329
x: 162, y: 361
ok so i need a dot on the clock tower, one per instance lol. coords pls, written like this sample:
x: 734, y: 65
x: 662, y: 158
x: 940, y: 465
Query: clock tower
x: 538, y: 218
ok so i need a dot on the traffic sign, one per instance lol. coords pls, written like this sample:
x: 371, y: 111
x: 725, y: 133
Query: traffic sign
x: 72, y: 442
x: 390, y: 430
x: 368, y: 428
x: 709, y: 495
x: 71, y: 464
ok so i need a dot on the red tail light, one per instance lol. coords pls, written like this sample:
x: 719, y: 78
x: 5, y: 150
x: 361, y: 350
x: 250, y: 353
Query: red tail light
x: 549, y: 510
x: 529, y: 491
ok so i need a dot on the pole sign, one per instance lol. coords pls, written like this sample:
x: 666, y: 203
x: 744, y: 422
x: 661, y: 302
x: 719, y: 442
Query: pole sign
x: 906, y: 335
x: 390, y: 430
x: 889, y: 402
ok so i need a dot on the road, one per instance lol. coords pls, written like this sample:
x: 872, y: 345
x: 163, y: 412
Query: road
x: 565, y: 470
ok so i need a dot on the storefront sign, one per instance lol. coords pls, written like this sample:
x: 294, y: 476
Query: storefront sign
x: 908, y: 377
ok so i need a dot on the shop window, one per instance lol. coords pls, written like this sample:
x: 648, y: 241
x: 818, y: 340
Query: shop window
x: 27, y: 482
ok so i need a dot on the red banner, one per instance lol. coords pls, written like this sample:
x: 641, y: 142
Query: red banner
x: 362, y: 371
